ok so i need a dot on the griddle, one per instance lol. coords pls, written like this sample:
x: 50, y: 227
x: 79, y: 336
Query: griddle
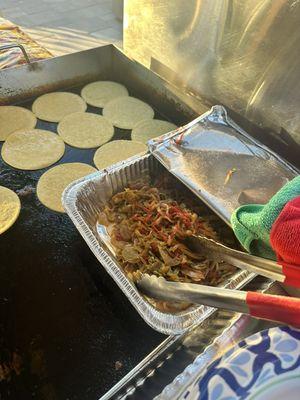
x: 64, y: 323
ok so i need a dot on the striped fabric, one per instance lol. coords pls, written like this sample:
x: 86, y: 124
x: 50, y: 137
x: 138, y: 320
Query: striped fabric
x: 9, y: 34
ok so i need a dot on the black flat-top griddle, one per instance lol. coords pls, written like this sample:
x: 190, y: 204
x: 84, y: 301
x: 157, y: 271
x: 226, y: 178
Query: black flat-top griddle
x: 66, y: 330
x: 61, y: 313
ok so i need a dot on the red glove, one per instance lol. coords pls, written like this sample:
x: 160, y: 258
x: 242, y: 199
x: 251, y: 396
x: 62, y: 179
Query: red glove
x: 285, y: 237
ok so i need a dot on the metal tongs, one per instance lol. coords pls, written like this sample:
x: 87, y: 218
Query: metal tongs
x: 262, y: 266
x: 264, y: 306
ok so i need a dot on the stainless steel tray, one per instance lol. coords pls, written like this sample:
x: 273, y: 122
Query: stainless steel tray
x: 83, y: 201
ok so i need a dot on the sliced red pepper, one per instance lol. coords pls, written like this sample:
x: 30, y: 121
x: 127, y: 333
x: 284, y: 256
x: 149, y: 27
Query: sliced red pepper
x: 162, y: 235
x: 147, y: 219
x: 157, y: 220
x: 179, y: 139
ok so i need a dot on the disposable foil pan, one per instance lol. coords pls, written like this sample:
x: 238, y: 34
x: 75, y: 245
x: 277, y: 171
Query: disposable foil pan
x: 216, y: 160
x: 84, y: 199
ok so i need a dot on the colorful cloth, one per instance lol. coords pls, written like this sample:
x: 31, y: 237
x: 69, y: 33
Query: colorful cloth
x: 285, y: 234
x: 252, y: 223
x: 9, y: 34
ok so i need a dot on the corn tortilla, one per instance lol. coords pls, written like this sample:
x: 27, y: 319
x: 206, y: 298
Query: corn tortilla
x: 53, y: 182
x: 10, y: 207
x: 53, y: 107
x: 113, y: 152
x: 32, y: 149
x: 151, y: 128
x: 85, y: 130
x: 125, y: 112
x: 99, y: 93
x: 13, y: 118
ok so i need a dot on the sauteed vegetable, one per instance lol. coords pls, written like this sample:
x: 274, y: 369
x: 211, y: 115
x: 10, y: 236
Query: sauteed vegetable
x: 147, y: 228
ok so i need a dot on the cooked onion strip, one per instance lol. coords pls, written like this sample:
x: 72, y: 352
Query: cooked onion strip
x: 148, y: 227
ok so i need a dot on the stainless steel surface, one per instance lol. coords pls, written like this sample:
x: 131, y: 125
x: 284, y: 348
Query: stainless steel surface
x: 219, y: 252
x: 227, y: 299
x: 16, y: 45
x: 218, y: 161
x: 190, y: 353
x: 243, y: 54
x: 101, y: 63
x: 145, y: 367
x: 85, y: 199
x: 19, y: 83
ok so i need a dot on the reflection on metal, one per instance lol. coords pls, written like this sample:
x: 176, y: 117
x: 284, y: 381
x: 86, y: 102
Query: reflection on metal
x: 244, y: 54
x: 201, y: 154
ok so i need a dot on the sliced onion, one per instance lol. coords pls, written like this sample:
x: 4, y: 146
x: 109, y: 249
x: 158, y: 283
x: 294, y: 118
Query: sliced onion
x: 118, y: 244
x: 196, y: 275
x: 130, y: 254
x: 125, y: 232
x: 102, y: 219
x: 167, y: 259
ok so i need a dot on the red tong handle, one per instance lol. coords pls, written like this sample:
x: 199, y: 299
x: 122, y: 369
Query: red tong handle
x: 274, y: 308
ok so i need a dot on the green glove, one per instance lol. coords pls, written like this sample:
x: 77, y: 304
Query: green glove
x: 252, y: 223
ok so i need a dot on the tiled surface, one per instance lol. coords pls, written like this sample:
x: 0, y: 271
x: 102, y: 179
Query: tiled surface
x: 65, y: 26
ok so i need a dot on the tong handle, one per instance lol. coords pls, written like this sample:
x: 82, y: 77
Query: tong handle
x: 274, y: 308
x: 259, y: 305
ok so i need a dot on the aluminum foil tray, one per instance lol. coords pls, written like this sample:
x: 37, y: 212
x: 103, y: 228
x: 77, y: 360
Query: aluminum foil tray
x: 84, y: 199
x: 221, y: 163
